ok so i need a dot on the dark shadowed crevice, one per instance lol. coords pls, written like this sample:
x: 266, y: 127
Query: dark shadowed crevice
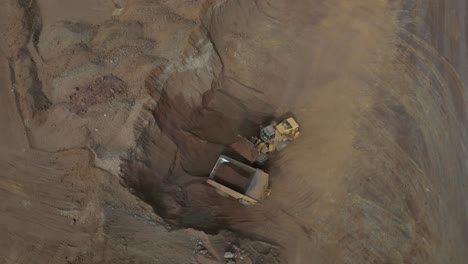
x: 11, y: 67
x: 33, y: 19
x: 40, y: 100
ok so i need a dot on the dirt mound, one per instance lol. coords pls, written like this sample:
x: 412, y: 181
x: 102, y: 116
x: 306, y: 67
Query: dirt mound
x: 232, y: 177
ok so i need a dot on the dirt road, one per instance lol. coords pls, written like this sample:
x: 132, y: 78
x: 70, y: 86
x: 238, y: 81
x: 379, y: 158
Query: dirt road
x: 114, y: 112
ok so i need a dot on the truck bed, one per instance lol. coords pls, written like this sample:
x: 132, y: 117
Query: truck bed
x: 240, y: 177
x: 233, y: 177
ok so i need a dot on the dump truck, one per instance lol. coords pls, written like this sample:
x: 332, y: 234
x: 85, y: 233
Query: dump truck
x: 273, y: 137
x: 244, y: 183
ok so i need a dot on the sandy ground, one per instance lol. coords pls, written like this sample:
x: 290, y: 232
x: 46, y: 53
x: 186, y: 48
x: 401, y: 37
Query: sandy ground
x: 114, y: 112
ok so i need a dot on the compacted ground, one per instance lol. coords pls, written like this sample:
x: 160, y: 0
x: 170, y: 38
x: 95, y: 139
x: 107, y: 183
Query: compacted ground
x: 114, y: 112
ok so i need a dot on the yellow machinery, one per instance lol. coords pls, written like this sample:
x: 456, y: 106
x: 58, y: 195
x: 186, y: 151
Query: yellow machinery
x: 244, y: 183
x: 273, y: 137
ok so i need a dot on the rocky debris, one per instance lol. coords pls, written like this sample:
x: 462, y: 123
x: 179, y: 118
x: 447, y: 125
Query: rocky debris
x: 234, y: 254
x: 101, y: 90
x: 200, y: 249
x: 228, y: 255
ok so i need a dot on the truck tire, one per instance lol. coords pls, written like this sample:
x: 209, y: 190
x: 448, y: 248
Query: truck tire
x: 262, y: 158
x: 282, y: 145
x: 246, y: 203
x: 218, y: 191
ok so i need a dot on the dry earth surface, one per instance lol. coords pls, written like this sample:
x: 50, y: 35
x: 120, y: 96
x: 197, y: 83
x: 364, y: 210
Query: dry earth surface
x: 114, y: 112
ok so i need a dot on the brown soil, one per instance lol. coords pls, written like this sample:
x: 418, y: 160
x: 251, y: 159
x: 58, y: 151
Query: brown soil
x: 114, y: 112
x: 232, y: 177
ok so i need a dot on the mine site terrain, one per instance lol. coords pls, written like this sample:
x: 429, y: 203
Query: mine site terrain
x: 114, y: 113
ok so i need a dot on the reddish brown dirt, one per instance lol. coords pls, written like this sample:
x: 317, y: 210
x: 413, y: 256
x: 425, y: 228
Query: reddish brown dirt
x: 101, y: 90
x: 379, y: 174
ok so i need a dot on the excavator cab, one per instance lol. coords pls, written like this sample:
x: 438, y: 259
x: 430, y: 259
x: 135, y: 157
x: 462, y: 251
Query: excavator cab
x: 273, y: 137
x: 268, y: 133
x: 288, y: 127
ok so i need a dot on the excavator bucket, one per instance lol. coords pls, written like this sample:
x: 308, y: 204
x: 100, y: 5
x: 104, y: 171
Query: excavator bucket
x: 245, y: 148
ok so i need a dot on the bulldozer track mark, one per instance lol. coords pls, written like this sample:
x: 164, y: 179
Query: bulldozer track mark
x: 235, y: 100
x: 431, y: 56
x: 257, y: 237
x: 307, y: 230
x: 261, y: 10
x: 189, y: 131
x: 245, y: 85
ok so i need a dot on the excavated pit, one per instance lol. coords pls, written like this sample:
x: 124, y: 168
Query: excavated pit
x: 150, y: 93
x: 192, y: 149
x: 363, y: 140
x: 364, y: 136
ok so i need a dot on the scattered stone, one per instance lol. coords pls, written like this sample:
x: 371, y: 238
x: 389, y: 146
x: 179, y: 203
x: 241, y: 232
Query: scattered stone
x: 117, y: 12
x: 228, y: 255
x: 101, y: 90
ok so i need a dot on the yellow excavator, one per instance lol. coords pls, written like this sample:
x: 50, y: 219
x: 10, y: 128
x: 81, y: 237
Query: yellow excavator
x: 273, y: 137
